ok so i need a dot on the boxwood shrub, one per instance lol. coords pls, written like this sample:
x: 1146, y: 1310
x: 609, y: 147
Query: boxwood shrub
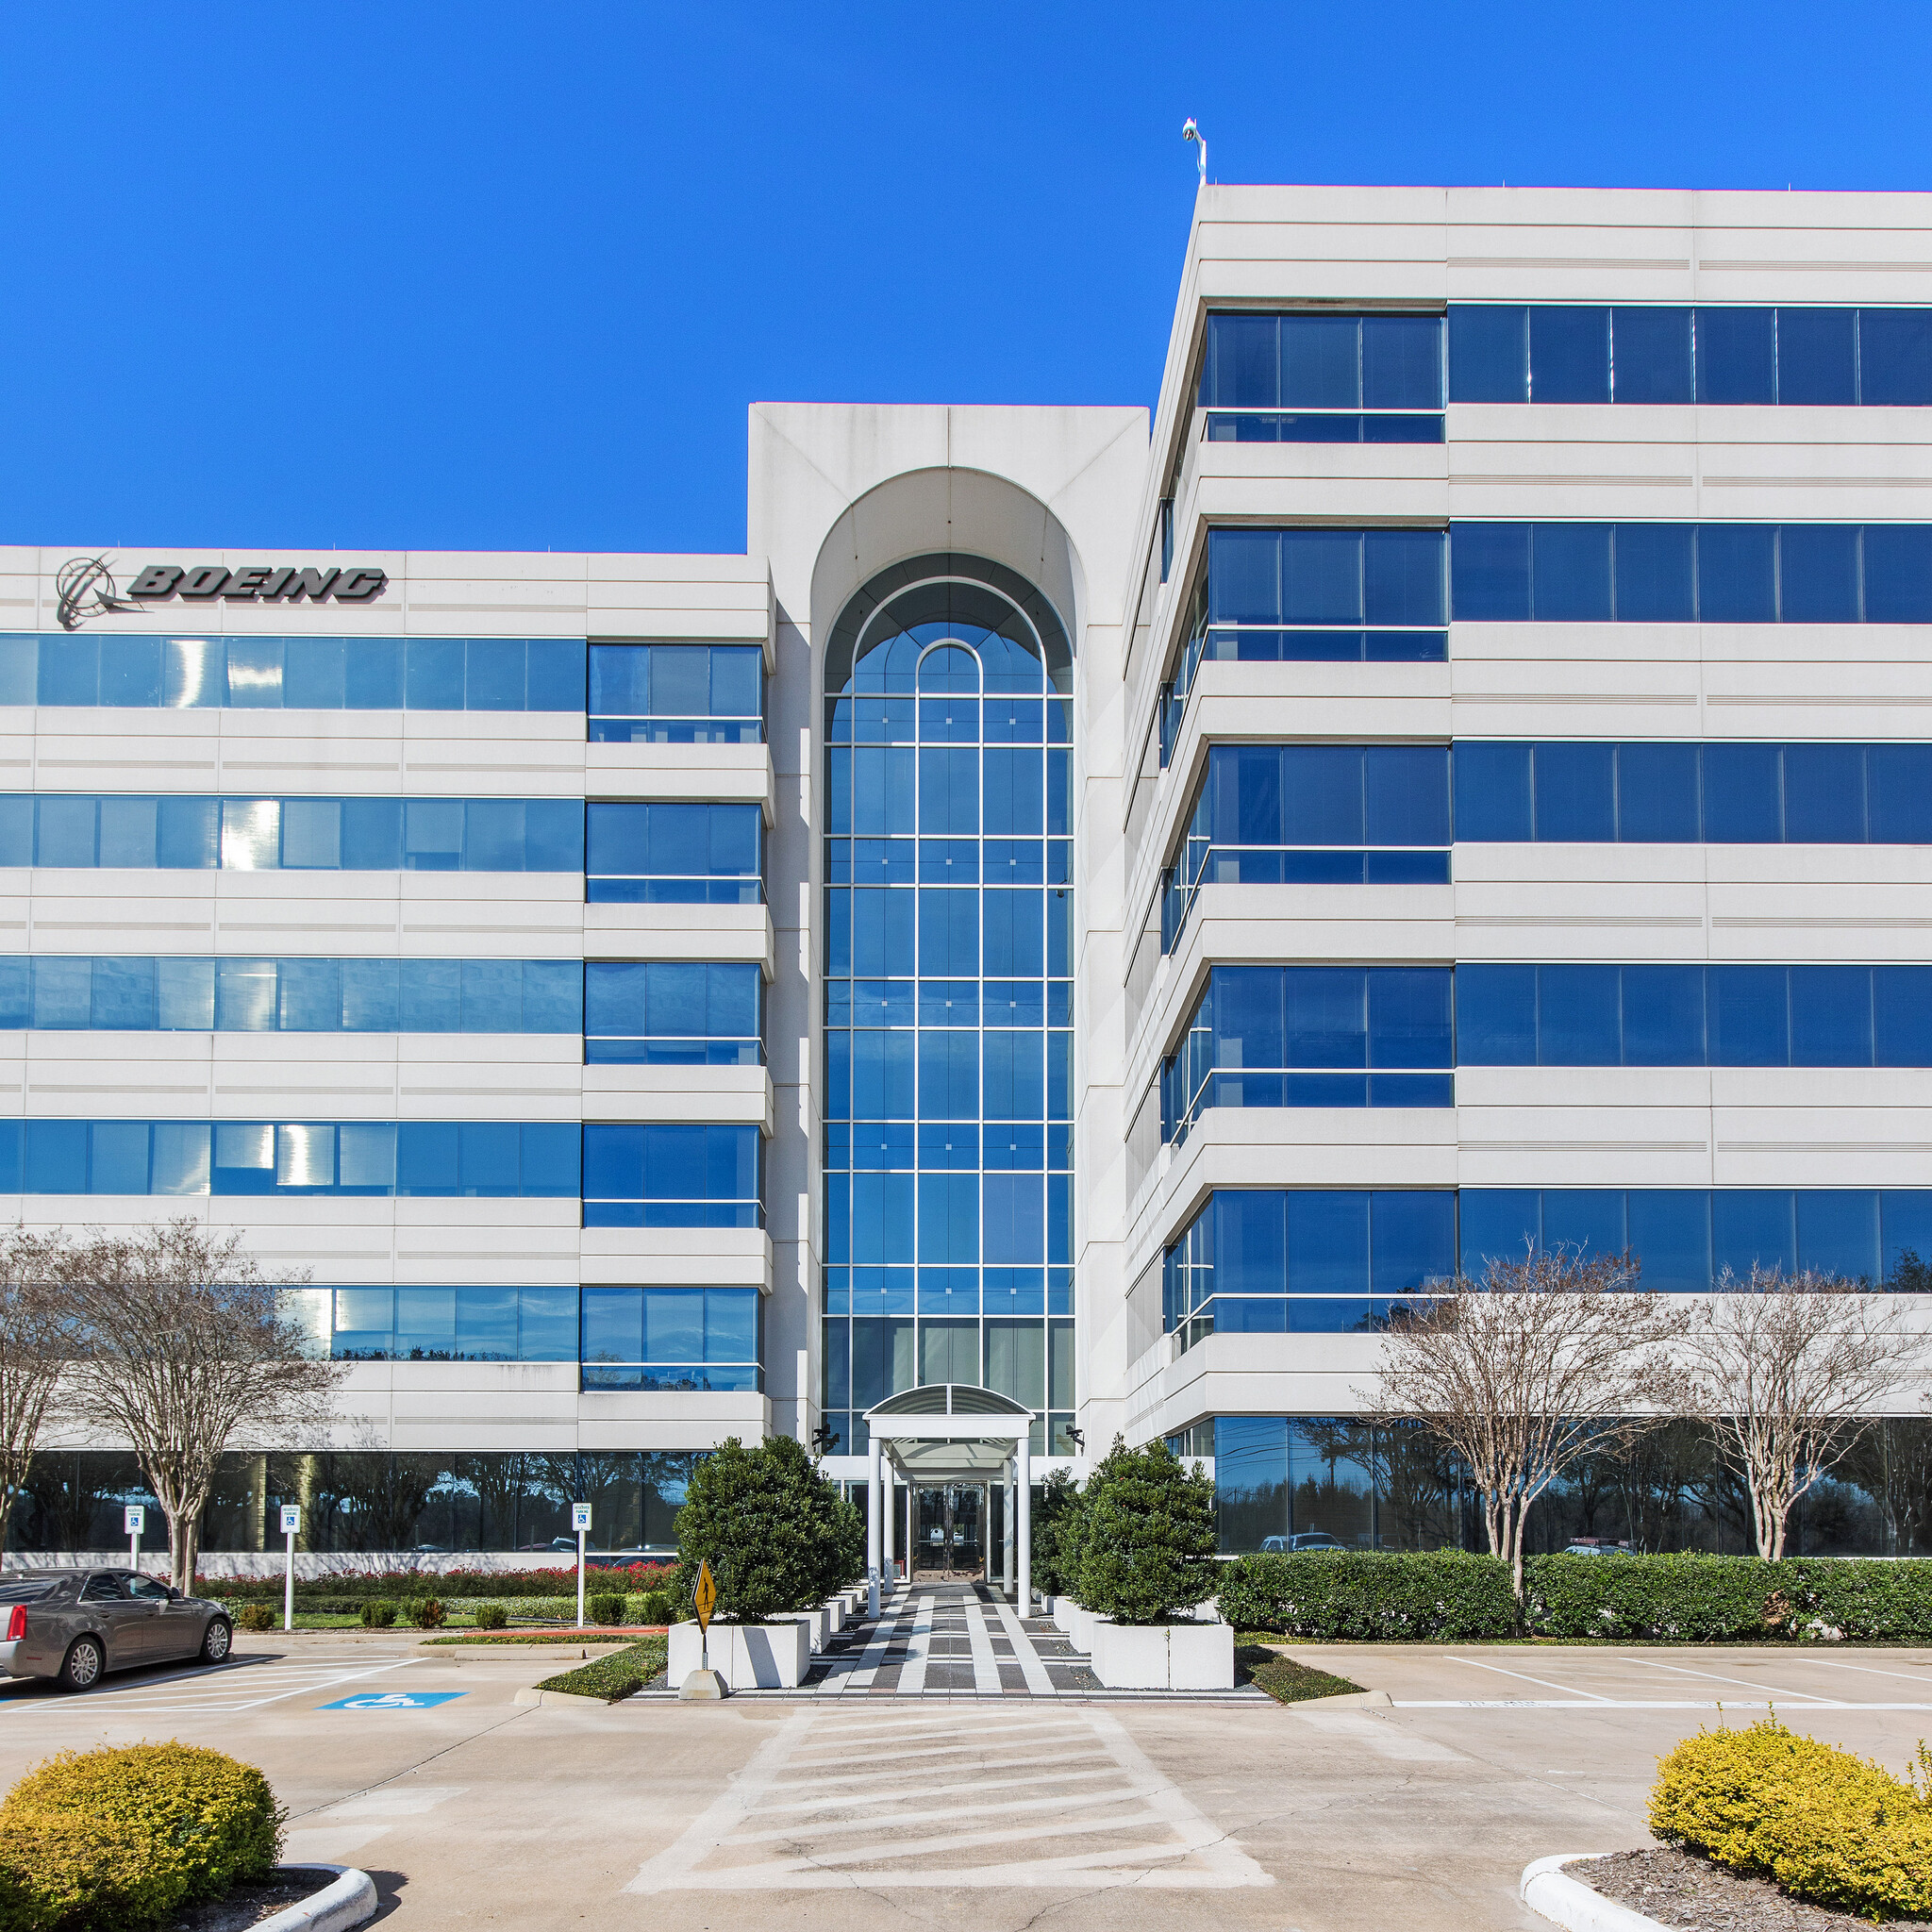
x: 119, y: 1839
x: 1364, y: 1596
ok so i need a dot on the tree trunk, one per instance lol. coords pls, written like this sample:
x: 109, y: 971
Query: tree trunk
x: 187, y: 1548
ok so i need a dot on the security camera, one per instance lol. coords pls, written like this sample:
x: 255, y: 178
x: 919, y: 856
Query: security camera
x: 1189, y: 131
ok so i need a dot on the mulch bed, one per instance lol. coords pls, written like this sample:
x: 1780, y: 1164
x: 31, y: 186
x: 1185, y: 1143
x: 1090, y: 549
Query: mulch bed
x: 248, y: 1905
x: 1681, y: 1890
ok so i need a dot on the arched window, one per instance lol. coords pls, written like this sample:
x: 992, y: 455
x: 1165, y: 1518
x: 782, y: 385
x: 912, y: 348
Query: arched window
x: 948, y: 1090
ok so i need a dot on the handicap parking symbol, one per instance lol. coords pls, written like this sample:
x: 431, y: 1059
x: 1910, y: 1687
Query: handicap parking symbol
x: 394, y: 1700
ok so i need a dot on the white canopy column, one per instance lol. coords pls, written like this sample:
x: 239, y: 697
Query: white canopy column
x: 1023, y: 1481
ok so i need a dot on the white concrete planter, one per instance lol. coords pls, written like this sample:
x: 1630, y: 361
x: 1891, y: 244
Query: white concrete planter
x: 1163, y: 1657
x: 752, y: 1656
x: 818, y: 1621
x: 1079, y: 1627
x: 835, y: 1616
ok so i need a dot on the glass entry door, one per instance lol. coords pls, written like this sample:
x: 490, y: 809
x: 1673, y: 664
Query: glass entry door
x: 948, y: 1540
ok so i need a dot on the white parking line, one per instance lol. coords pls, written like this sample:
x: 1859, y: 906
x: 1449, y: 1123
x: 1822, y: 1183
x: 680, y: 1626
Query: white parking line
x: 1625, y: 1704
x: 223, y: 1688
x: 1743, y: 1683
x: 1569, y: 1690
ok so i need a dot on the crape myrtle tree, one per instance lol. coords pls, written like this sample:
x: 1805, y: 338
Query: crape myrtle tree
x: 1528, y: 1369
x: 36, y: 1340
x: 184, y: 1350
x: 775, y: 1531
x: 1147, y: 1535
x: 1791, y: 1369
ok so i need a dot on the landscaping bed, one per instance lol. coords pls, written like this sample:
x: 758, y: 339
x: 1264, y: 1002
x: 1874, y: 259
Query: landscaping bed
x: 248, y: 1905
x: 616, y: 1675
x: 590, y: 1633
x: 1282, y: 1677
x: 1680, y: 1889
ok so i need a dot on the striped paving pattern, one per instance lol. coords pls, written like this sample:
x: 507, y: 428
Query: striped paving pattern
x: 849, y: 1798
x: 243, y: 1683
x: 955, y: 1640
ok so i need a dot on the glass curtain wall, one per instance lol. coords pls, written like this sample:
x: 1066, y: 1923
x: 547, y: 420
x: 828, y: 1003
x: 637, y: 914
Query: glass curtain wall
x: 949, y: 997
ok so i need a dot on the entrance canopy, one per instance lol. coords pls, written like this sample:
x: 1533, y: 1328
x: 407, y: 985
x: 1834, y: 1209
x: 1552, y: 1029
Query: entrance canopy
x: 953, y: 1432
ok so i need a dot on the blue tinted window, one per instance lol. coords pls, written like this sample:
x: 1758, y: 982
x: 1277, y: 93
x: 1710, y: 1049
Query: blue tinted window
x: 1319, y: 362
x: 1242, y: 369
x: 1588, y: 1220
x: 1321, y: 577
x: 1831, y: 1016
x: 1493, y: 791
x: 1896, y: 355
x: 1817, y: 356
x: 1571, y: 573
x: 1825, y: 794
x: 1663, y: 1016
x: 1658, y: 793
x: 1243, y: 577
x: 1817, y: 573
x: 1749, y: 1021
x: 1488, y: 566
x: 1656, y: 573
x: 1488, y: 353
x: 1744, y: 798
x: 1407, y: 794
x: 1668, y: 1231
x: 1737, y: 573
x: 1651, y: 354
x: 1578, y: 1009
x: 1569, y: 354
x: 1737, y: 355
x: 1401, y: 577
x: 1496, y: 1015
x: 1497, y: 1224
x: 1838, y: 1232
x: 1401, y: 362
x: 1902, y: 1016
x: 1898, y: 573
x: 1576, y: 792
x: 1752, y: 1226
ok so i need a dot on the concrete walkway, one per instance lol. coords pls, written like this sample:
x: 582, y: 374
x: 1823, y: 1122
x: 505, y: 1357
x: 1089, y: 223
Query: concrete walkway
x: 953, y: 1639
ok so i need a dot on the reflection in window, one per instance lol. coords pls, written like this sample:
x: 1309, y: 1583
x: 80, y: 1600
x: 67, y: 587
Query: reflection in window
x: 464, y: 1324
x: 677, y: 693
x: 1323, y: 378
x: 1691, y: 572
x: 475, y: 1159
x: 675, y: 853
x: 1311, y: 1036
x: 1502, y: 351
x: 673, y: 1013
x: 674, y: 1338
x: 293, y: 673
x: 292, y: 834
x: 110, y: 993
x: 948, y: 1085
x: 672, y: 1176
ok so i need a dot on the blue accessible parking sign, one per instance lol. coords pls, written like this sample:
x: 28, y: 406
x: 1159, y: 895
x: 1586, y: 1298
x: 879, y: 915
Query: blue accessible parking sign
x: 394, y: 1700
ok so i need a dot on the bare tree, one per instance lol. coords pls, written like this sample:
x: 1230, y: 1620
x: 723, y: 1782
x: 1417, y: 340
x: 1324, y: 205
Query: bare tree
x: 35, y: 1339
x: 185, y: 1352
x: 1790, y: 1369
x: 1526, y: 1370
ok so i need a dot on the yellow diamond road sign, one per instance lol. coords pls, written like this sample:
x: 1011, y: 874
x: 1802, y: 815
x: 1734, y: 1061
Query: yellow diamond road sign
x: 705, y: 1595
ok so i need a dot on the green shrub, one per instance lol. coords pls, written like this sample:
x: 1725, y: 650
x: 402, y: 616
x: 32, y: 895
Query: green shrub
x: 613, y: 1676
x: 604, y: 1609
x: 1058, y: 1500
x: 257, y: 1617
x: 1147, y: 1538
x: 427, y: 1613
x: 1831, y: 1828
x: 654, y: 1607
x: 490, y: 1617
x: 777, y: 1533
x: 1365, y: 1596
x: 378, y: 1615
x: 117, y: 1839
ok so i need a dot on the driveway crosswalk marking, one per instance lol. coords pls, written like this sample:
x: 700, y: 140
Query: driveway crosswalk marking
x: 833, y: 1800
x: 912, y: 1678
x: 986, y: 1672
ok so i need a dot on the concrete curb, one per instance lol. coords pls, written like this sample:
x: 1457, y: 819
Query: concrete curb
x: 531, y: 1694
x: 349, y: 1900
x: 1549, y: 1891
x: 1346, y: 1700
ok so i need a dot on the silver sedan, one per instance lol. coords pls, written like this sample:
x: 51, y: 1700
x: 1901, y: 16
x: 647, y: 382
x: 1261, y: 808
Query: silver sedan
x: 73, y: 1625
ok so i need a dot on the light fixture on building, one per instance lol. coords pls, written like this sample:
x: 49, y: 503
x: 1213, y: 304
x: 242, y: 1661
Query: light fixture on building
x: 1191, y: 130
x: 825, y: 1439
x: 1078, y: 1437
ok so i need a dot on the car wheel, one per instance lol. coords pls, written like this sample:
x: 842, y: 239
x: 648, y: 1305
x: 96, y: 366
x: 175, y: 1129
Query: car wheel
x: 216, y: 1639
x: 81, y: 1668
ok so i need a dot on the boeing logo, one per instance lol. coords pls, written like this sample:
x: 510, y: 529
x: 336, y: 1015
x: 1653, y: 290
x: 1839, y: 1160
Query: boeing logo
x: 86, y: 586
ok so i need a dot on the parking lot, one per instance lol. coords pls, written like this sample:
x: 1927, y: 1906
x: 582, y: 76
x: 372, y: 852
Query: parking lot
x: 470, y: 1808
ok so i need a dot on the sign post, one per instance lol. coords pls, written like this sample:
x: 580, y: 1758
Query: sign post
x: 580, y: 1522
x: 133, y: 1520
x: 704, y: 1681
x: 292, y: 1522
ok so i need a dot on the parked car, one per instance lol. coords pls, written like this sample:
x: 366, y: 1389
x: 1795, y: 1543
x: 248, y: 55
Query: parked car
x: 1595, y: 1547
x: 1307, y: 1540
x: 73, y: 1625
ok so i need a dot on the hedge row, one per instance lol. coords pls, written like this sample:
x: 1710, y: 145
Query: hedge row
x: 458, y: 1585
x: 639, y: 1606
x: 1354, y: 1596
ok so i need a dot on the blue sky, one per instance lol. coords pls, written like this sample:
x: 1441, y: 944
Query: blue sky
x: 493, y: 275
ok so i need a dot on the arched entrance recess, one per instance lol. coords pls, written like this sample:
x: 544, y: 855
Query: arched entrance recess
x: 954, y: 1432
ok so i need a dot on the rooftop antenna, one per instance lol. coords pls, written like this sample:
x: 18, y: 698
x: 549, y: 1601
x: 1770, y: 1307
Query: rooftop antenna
x: 1191, y: 131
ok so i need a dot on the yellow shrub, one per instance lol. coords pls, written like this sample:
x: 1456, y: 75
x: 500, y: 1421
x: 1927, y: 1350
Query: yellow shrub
x: 1829, y: 1826
x: 119, y: 1837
